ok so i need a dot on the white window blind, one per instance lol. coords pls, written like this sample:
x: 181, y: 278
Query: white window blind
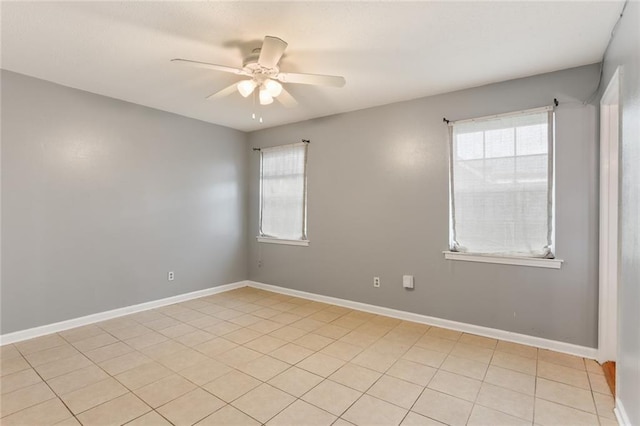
x: 502, y: 184
x: 283, y: 186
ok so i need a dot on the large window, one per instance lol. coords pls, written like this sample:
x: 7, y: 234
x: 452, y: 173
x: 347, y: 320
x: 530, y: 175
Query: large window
x: 502, y: 184
x: 283, y: 193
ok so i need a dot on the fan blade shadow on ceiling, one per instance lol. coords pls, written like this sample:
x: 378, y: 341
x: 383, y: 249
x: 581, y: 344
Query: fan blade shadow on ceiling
x: 243, y: 46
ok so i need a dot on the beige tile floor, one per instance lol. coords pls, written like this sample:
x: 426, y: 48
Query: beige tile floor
x: 248, y: 357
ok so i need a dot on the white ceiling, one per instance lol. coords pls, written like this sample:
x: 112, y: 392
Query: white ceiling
x: 387, y: 51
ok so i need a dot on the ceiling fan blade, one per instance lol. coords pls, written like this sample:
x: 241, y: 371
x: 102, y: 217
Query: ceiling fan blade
x: 314, y: 79
x: 271, y: 51
x: 206, y: 65
x: 286, y: 99
x: 224, y: 92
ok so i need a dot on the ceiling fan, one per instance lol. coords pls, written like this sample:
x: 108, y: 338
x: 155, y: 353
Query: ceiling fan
x: 264, y: 75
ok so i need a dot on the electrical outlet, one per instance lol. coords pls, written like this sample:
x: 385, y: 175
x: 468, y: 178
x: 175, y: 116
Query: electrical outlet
x: 170, y: 276
x: 376, y: 281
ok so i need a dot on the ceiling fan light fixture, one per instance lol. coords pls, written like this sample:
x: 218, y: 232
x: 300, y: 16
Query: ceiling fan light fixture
x: 246, y: 87
x: 265, y: 97
x: 273, y: 87
x: 262, y: 78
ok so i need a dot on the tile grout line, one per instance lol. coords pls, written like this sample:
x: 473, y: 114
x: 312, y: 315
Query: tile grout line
x: 56, y: 396
x: 425, y: 387
x: 267, y: 383
x: 475, y: 402
x: 195, y: 384
x: 593, y: 396
x: 236, y: 304
x: 114, y: 377
x: 383, y: 374
x: 348, y: 362
x: 109, y: 375
x: 290, y: 367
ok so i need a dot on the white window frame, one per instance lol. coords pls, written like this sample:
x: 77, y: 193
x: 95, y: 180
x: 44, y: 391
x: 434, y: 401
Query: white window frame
x: 304, y: 241
x: 552, y: 263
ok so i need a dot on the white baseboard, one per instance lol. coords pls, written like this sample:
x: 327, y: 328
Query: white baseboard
x: 524, y: 339
x: 18, y: 336
x: 621, y: 414
x: 539, y: 342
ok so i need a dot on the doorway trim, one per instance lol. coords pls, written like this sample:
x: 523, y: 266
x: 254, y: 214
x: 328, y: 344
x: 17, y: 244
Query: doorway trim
x: 609, y: 215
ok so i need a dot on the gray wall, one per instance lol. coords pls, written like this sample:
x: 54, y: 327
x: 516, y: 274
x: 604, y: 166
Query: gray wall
x: 625, y: 51
x: 100, y: 198
x: 378, y: 206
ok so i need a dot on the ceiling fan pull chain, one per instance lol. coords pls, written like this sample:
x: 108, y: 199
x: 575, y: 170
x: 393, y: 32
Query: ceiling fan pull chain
x: 253, y: 115
x: 253, y: 99
x: 265, y: 80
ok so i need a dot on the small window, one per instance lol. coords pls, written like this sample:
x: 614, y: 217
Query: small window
x: 283, y: 193
x: 502, y: 184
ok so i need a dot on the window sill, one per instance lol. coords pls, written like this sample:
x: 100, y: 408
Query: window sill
x: 282, y: 241
x: 505, y: 260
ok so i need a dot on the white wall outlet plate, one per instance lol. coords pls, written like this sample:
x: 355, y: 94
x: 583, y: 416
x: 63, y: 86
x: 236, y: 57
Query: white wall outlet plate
x: 170, y: 276
x: 407, y: 281
x: 376, y: 281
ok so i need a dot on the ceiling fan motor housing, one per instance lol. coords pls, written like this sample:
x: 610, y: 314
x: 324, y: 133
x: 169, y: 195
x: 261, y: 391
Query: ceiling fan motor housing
x: 261, y: 68
x: 250, y: 65
x: 252, y: 59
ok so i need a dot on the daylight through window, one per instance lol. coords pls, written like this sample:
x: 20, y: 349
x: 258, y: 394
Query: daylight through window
x: 283, y: 182
x: 502, y: 184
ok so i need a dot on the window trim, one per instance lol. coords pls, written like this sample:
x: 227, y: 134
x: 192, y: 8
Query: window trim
x: 264, y: 238
x: 537, y: 262
x: 272, y: 240
x: 523, y: 260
